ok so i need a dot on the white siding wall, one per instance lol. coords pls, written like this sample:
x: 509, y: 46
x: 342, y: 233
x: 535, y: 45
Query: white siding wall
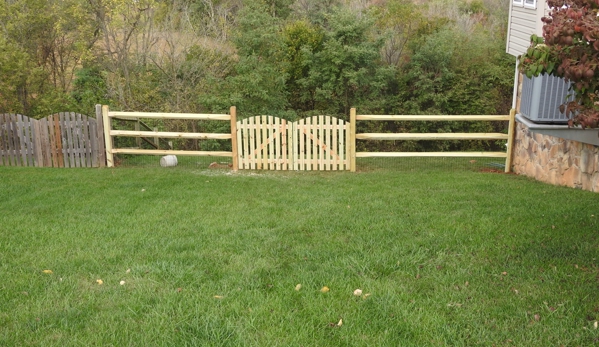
x: 524, y: 22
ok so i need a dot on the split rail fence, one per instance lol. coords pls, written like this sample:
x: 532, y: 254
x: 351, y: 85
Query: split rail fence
x: 315, y: 143
x: 109, y: 134
x: 64, y: 139
x: 509, y: 137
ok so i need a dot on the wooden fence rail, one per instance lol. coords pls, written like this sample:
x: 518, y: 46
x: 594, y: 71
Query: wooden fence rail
x: 64, y: 139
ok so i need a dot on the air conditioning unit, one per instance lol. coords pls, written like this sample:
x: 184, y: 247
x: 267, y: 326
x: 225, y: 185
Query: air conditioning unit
x: 541, y: 98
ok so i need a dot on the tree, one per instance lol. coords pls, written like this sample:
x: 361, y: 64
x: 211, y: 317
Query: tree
x: 314, y: 11
x: 302, y: 40
x: 257, y: 83
x: 127, y: 40
x: 397, y: 21
x: 211, y: 18
x: 50, y: 39
x: 346, y: 71
x: 15, y: 72
x: 570, y: 49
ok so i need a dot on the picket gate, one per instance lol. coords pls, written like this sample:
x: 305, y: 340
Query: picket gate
x: 272, y: 143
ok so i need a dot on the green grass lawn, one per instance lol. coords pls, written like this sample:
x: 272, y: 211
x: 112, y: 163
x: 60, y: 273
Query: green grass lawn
x: 212, y: 258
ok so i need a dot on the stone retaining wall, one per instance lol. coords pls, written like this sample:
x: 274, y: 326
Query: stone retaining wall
x: 555, y: 160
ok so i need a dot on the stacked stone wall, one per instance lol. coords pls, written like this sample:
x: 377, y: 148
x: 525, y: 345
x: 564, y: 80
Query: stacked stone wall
x: 555, y: 160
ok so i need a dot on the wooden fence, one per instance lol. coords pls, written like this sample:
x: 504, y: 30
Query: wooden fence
x: 65, y: 139
x: 109, y: 134
x: 271, y: 143
x: 258, y: 143
x: 434, y: 136
x: 315, y: 143
x: 17, y: 141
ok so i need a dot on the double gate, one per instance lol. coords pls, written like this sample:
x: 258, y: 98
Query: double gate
x: 272, y: 143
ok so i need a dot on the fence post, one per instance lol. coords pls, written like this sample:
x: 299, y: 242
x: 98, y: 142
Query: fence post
x: 101, y: 154
x: 107, y: 138
x: 510, y: 140
x: 352, y: 140
x: 234, y: 149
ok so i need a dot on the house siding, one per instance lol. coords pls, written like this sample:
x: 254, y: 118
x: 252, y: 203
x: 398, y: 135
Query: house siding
x: 523, y: 22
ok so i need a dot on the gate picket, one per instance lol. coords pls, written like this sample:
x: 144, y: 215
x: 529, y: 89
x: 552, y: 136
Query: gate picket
x: 335, y: 162
x: 271, y: 143
x: 277, y: 144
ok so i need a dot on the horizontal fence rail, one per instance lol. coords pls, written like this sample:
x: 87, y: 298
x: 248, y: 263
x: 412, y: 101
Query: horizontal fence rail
x: 159, y: 115
x: 171, y: 135
x: 430, y: 154
x: 109, y: 134
x: 433, y: 136
x: 433, y: 118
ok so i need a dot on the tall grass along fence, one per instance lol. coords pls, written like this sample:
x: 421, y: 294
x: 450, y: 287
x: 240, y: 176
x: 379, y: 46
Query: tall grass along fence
x: 271, y: 143
x: 64, y: 139
x: 431, y: 136
x: 110, y: 134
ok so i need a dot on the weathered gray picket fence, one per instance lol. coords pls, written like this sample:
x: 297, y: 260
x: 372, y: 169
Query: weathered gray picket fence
x: 64, y: 139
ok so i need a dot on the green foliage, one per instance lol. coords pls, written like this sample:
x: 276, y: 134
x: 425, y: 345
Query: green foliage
x: 397, y: 21
x: 302, y: 41
x: 279, y: 8
x: 315, y: 11
x: 14, y: 71
x: 346, y: 71
x: 455, y: 73
x: 279, y: 57
x: 258, y: 32
x: 473, y: 7
x: 89, y: 89
x: 47, y: 41
x: 257, y: 85
x: 256, y: 88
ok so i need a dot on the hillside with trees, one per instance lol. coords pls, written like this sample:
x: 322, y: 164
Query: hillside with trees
x: 291, y: 58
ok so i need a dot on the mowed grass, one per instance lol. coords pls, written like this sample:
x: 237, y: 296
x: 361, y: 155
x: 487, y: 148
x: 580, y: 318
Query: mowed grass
x: 212, y: 258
